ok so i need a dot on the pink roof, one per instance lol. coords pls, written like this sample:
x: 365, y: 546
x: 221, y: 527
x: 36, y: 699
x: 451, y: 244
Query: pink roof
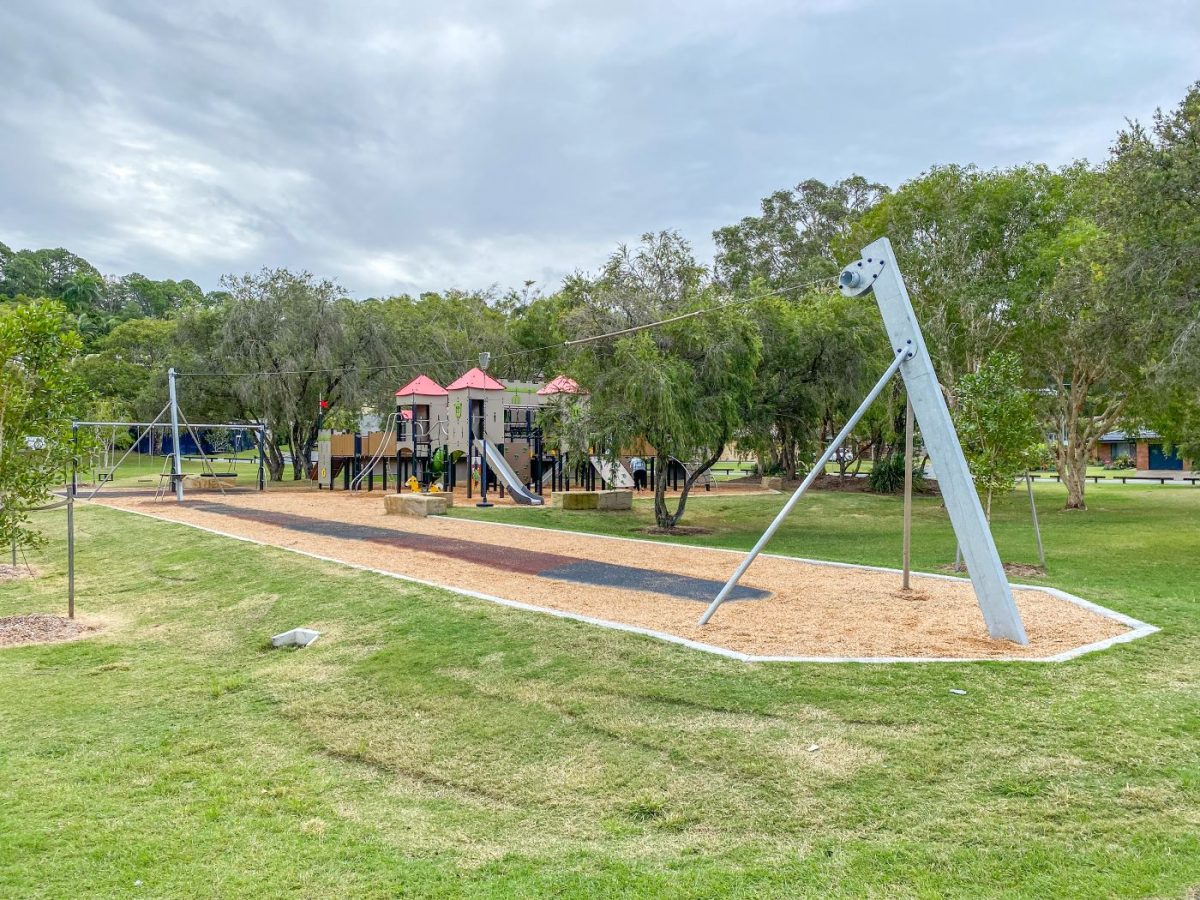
x: 478, y: 379
x: 560, y: 385
x: 424, y: 386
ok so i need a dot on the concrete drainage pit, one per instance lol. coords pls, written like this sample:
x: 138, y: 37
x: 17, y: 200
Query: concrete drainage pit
x: 296, y: 638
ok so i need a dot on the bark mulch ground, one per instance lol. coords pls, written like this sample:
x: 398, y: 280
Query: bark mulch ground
x: 810, y: 610
x: 39, y: 629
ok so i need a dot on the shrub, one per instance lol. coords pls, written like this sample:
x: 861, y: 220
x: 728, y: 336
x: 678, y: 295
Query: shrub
x: 887, y: 476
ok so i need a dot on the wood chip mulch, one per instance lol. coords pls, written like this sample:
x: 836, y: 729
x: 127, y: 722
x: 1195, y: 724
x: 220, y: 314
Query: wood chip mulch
x: 10, y: 572
x: 39, y: 628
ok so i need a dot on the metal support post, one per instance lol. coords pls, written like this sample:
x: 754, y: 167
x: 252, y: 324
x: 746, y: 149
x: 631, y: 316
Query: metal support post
x: 902, y: 354
x: 177, y: 463
x: 262, y: 453
x: 71, y: 554
x: 908, y: 489
x: 1037, y: 529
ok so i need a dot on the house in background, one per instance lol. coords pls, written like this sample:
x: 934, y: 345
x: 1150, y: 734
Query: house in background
x: 1146, y: 448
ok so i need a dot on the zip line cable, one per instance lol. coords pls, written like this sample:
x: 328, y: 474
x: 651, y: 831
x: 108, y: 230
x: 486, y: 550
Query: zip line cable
x: 719, y: 307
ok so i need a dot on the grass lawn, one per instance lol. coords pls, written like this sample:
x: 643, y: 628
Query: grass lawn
x: 431, y: 745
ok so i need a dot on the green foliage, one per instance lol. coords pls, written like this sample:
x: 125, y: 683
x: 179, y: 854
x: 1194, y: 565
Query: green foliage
x: 794, y: 239
x: 39, y: 394
x: 41, y: 273
x: 821, y: 352
x: 996, y: 425
x: 1154, y: 205
x: 685, y: 386
x: 887, y: 475
x: 289, y: 341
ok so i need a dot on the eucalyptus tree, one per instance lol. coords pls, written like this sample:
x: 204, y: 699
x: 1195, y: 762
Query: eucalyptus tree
x: 1094, y: 343
x: 289, y: 342
x: 684, y: 386
x: 1154, y: 207
x: 794, y: 239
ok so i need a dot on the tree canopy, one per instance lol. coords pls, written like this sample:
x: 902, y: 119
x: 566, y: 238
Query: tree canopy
x: 1075, y: 287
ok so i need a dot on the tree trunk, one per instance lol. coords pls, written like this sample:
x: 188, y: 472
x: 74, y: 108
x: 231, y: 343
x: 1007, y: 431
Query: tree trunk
x: 273, y: 457
x: 1072, y: 468
x: 662, y: 517
x: 296, y: 446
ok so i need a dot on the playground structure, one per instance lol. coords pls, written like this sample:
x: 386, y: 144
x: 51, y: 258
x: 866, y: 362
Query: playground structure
x: 481, y: 431
x: 477, y: 428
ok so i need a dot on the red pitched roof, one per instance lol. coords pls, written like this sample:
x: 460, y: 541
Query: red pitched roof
x: 560, y: 385
x: 424, y: 386
x: 476, y: 378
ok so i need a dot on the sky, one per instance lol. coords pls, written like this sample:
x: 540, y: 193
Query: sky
x: 400, y: 147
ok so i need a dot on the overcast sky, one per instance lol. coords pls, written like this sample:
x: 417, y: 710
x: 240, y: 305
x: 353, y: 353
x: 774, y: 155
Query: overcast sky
x: 404, y: 146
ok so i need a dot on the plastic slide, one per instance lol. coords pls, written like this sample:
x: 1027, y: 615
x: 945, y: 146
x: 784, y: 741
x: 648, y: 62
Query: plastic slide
x: 620, y: 478
x: 498, y: 464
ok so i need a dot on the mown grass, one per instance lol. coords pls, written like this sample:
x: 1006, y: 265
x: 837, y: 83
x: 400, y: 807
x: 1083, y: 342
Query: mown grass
x: 430, y: 745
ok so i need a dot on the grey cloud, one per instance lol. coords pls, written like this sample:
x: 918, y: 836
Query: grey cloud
x: 403, y: 147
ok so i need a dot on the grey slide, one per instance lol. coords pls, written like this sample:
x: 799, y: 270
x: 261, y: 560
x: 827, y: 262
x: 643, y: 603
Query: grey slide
x: 498, y: 464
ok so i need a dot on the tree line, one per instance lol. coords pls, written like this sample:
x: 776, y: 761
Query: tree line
x: 1070, y: 293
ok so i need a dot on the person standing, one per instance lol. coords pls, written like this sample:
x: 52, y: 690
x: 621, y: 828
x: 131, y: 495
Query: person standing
x: 638, y: 466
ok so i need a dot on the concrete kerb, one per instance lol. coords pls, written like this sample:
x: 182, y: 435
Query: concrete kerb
x: 1139, y: 629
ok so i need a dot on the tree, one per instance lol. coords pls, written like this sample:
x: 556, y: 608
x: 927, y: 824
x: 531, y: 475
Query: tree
x: 82, y: 291
x: 1094, y: 345
x: 820, y: 355
x: 443, y: 334
x: 1154, y: 208
x: 967, y: 241
x: 39, y: 393
x: 135, y: 295
x: 41, y: 273
x: 793, y: 240
x: 683, y: 386
x: 996, y: 424
x: 289, y: 341
x: 130, y: 365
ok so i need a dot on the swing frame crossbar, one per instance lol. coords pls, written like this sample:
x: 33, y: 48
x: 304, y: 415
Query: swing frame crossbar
x: 145, y: 428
